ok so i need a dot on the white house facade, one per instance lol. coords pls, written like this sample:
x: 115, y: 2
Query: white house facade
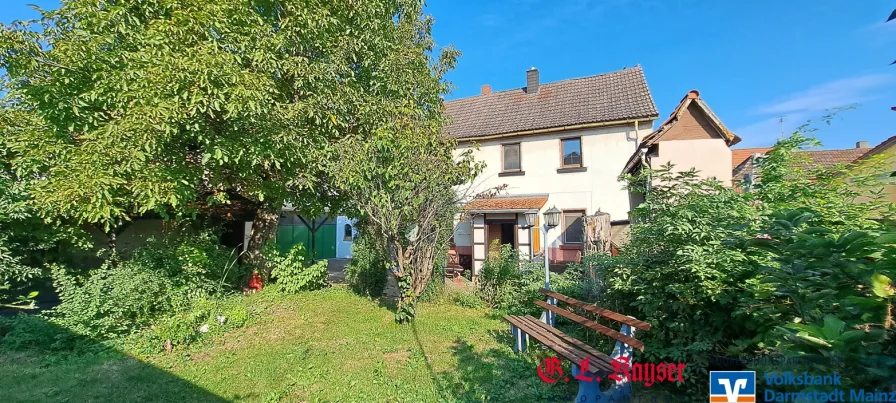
x: 558, y: 144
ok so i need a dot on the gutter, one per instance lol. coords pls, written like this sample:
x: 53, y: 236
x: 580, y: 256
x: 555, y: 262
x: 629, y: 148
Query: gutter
x: 558, y: 129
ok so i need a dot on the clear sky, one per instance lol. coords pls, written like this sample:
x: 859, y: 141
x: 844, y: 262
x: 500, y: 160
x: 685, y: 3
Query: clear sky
x: 753, y: 61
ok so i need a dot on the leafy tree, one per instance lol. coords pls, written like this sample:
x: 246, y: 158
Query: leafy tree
x: 168, y: 105
x: 27, y: 242
x: 402, y: 184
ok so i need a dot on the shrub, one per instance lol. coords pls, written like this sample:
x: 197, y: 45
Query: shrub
x: 367, y: 272
x: 204, y: 317
x: 498, y: 272
x: 294, y: 271
x: 167, y: 274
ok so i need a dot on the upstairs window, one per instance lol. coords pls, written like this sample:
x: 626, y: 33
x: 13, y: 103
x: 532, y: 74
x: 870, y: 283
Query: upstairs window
x: 511, y: 157
x: 571, y: 152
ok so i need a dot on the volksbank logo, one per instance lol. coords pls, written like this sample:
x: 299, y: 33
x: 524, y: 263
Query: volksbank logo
x: 732, y: 386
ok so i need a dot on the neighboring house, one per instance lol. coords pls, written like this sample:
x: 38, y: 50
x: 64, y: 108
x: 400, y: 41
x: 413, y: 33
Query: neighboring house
x: 557, y: 144
x: 693, y: 137
x: 743, y: 161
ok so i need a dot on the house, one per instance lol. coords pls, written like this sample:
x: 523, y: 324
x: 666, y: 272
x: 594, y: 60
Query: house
x: 558, y: 144
x: 692, y: 137
x: 743, y: 161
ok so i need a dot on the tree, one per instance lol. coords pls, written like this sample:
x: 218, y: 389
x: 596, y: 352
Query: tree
x: 403, y: 183
x: 167, y: 105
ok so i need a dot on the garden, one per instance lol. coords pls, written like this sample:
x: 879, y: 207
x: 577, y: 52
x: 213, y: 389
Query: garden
x: 338, y: 109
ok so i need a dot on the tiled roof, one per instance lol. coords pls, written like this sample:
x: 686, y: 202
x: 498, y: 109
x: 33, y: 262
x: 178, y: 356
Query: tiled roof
x: 816, y: 158
x: 508, y: 203
x: 740, y: 155
x: 616, y: 96
x: 829, y: 158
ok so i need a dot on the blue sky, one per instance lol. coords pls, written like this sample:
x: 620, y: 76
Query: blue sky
x: 752, y: 61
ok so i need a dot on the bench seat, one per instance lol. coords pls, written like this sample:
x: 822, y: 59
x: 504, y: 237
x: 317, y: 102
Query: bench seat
x: 562, y: 344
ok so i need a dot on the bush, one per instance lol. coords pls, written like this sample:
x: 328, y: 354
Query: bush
x: 367, y: 273
x: 165, y: 275
x: 294, y: 271
x: 498, y: 273
x: 203, y: 318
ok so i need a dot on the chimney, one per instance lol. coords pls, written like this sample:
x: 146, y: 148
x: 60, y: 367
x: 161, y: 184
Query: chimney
x: 862, y: 144
x: 532, y: 81
x: 486, y: 89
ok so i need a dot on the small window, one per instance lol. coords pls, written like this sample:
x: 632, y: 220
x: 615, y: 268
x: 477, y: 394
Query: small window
x: 511, y: 157
x: 573, y: 227
x: 347, y: 236
x: 572, y: 152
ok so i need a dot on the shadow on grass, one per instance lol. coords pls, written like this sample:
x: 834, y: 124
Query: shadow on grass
x: 41, y: 362
x: 499, y: 375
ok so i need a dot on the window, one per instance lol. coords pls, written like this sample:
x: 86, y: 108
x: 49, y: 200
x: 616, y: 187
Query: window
x: 347, y: 232
x: 571, y: 150
x: 573, y: 226
x: 511, y: 157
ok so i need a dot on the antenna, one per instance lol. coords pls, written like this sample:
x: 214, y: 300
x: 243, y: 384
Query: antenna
x: 781, y: 125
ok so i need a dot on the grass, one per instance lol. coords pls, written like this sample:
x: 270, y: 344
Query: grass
x: 323, y: 346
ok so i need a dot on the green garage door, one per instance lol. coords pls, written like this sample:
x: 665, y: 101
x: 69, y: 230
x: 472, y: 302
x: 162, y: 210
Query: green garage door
x: 324, y: 239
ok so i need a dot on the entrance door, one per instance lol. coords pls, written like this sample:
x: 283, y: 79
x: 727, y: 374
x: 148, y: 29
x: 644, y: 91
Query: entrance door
x: 503, y: 232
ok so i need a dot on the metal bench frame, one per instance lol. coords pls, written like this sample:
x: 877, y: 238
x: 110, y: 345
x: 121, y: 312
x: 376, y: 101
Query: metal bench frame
x: 542, y: 330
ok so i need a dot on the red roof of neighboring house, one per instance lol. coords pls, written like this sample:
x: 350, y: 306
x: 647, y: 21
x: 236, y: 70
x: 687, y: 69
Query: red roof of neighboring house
x: 740, y: 155
x: 817, y: 158
x: 508, y: 203
x: 829, y: 158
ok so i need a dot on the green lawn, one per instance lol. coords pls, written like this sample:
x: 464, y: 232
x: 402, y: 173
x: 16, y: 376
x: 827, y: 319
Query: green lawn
x: 327, y: 346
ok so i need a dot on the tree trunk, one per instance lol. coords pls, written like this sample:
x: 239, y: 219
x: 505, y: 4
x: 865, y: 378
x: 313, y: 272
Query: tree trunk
x: 264, y: 228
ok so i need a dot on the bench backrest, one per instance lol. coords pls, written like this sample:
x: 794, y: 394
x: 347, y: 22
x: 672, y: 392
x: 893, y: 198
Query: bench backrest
x: 593, y: 309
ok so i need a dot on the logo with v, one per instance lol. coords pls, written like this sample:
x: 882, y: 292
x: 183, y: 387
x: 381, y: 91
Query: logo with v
x: 732, y: 386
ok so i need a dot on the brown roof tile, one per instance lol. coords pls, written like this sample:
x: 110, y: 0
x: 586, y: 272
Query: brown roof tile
x: 508, y: 203
x: 816, y: 158
x: 829, y: 158
x: 740, y: 155
x: 616, y: 96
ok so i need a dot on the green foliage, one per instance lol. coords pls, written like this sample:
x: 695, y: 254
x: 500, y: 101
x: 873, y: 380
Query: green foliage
x: 436, y: 288
x: 295, y: 272
x: 149, y: 106
x: 202, y: 318
x: 786, y: 269
x: 510, y: 285
x: 167, y: 274
x: 498, y: 272
x: 407, y: 309
x: 27, y: 242
x: 826, y: 298
x: 366, y: 274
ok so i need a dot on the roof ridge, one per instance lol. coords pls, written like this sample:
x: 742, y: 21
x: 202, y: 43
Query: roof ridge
x: 625, y: 69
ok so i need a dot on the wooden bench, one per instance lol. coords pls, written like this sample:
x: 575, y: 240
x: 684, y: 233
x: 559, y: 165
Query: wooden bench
x: 599, y: 364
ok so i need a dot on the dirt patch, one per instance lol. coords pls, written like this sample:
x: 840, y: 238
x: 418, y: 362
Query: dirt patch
x: 397, y: 357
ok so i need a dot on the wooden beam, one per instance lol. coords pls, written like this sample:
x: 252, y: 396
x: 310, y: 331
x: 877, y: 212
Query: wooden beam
x: 637, y: 324
x: 597, y: 327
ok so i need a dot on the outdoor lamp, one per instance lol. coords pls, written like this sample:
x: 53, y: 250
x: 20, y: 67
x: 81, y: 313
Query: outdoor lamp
x: 531, y: 216
x: 552, y: 217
